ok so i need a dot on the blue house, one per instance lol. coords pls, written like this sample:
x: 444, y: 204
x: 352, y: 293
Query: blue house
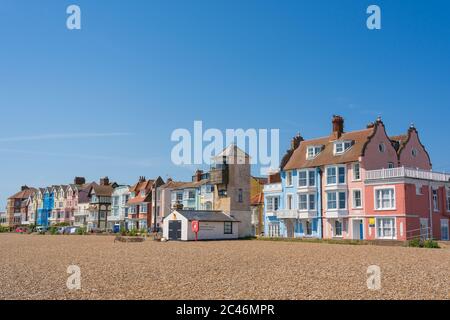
x: 292, y: 201
x: 45, y: 212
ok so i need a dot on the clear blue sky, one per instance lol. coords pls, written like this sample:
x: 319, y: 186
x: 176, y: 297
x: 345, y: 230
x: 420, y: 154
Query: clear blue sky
x: 104, y: 100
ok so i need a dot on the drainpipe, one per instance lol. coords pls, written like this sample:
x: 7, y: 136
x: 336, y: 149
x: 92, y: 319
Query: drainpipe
x: 430, y: 196
x: 154, y: 209
x: 319, y: 202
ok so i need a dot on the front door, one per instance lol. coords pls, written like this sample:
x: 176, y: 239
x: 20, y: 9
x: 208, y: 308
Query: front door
x: 175, y: 230
x: 358, y: 230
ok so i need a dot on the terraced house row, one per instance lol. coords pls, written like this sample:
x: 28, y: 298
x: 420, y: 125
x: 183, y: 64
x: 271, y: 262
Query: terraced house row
x: 358, y: 185
x: 223, y: 193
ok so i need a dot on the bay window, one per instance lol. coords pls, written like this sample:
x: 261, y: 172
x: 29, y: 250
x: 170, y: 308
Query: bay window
x: 303, y: 178
x: 306, y: 178
x: 306, y: 202
x: 303, y: 202
x: 336, y: 175
x: 385, y: 199
x: 336, y: 200
x: 272, y: 203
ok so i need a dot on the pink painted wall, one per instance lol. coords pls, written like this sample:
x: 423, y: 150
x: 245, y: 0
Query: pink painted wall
x: 421, y: 160
x: 374, y: 159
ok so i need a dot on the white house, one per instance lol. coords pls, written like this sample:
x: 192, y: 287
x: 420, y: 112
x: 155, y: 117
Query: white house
x: 119, y: 209
x: 213, y: 225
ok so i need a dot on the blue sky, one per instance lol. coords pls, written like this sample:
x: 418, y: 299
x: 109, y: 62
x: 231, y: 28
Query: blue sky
x: 104, y: 100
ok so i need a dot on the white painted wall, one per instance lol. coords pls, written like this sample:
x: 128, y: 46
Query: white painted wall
x: 208, y: 230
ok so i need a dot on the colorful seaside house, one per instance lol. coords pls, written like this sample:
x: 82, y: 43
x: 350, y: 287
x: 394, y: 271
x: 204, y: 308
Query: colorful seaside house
x: 48, y: 203
x: 140, y: 203
x: 164, y: 198
x: 119, y: 209
x: 195, y: 195
x: 16, y: 207
x: 257, y: 204
x: 100, y: 204
x: 325, y: 188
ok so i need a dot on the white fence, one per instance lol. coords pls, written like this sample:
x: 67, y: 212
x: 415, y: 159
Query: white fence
x: 403, y: 172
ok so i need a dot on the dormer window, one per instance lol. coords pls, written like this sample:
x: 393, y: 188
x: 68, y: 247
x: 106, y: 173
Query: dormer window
x: 342, y: 146
x: 313, y: 151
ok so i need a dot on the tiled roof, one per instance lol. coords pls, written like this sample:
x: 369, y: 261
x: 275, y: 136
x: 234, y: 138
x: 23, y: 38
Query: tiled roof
x: 23, y: 194
x: 257, y: 199
x: 105, y: 191
x: 173, y: 184
x: 326, y: 156
x: 194, y: 184
x: 205, y: 215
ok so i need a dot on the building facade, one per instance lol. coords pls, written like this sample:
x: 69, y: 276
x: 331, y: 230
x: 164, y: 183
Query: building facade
x: 331, y: 187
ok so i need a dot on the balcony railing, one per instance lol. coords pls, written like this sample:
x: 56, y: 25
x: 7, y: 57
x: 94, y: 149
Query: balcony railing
x: 402, y: 172
x: 274, y: 187
x: 287, y: 214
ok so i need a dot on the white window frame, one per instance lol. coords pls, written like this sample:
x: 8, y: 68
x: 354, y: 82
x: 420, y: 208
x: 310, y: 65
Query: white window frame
x: 289, y: 178
x: 335, y: 235
x: 356, y: 164
x: 291, y: 206
x: 354, y: 206
x: 336, y: 168
x: 315, y: 151
x: 337, y: 194
x: 392, y: 200
x: 299, y: 172
x: 448, y: 199
x: 378, y: 220
x: 306, y: 202
x: 309, y: 174
x: 445, y: 222
x: 345, y: 145
x: 435, y: 193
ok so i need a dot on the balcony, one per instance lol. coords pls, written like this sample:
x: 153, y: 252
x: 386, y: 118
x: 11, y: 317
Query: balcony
x: 272, y: 188
x: 335, y: 214
x: 287, y: 214
x: 403, y: 172
x: 307, y: 214
x: 219, y: 175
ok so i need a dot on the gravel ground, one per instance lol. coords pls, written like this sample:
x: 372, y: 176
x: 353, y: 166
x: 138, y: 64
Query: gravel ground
x: 35, y: 267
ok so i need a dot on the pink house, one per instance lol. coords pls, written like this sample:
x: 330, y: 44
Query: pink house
x: 370, y: 186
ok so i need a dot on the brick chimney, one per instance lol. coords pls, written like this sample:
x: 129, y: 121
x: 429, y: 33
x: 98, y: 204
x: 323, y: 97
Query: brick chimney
x: 198, y: 175
x: 141, y: 179
x: 104, y: 181
x: 338, y: 126
x: 295, y: 142
x: 23, y: 188
x: 79, y: 181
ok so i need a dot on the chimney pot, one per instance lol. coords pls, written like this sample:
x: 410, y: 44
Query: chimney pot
x: 338, y: 126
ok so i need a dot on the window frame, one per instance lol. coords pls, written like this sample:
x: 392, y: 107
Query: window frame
x: 227, y: 227
x: 354, y: 206
x: 393, y: 200
x: 337, y: 175
x: 341, y: 228
x: 393, y: 229
x: 289, y: 178
x: 356, y: 164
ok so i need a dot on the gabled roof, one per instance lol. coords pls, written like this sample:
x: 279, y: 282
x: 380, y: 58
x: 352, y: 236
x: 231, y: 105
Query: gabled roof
x: 205, y: 215
x: 173, y: 184
x: 23, y: 194
x: 257, y: 200
x: 103, y: 190
x: 192, y: 185
x: 360, y: 138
